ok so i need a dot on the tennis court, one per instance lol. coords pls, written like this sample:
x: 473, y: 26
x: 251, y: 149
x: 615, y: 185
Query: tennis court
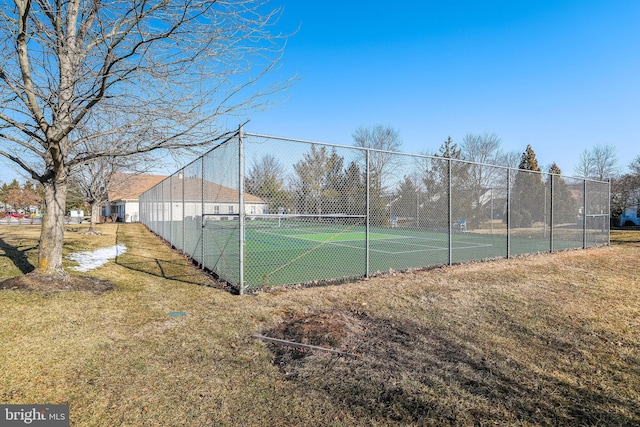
x: 255, y: 219
x: 285, y: 252
x: 288, y: 250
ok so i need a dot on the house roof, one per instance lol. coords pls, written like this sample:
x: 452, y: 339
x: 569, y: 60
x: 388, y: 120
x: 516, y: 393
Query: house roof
x: 126, y: 186
x: 213, y: 192
x: 130, y: 187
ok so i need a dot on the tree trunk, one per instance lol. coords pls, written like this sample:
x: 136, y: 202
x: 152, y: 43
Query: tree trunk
x: 95, y: 216
x: 52, y: 233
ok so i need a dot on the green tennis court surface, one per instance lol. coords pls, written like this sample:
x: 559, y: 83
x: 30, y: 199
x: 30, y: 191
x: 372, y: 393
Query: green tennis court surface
x: 289, y: 255
x: 279, y: 252
x: 341, y: 237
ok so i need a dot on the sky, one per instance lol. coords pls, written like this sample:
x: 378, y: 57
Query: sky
x: 561, y: 75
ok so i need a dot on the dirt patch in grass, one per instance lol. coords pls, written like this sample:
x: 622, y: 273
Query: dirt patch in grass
x: 492, y: 366
x: 35, y: 282
x: 332, y: 330
x: 395, y: 362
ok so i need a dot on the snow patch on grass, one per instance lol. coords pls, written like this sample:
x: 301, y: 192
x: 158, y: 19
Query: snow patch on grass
x: 90, y: 260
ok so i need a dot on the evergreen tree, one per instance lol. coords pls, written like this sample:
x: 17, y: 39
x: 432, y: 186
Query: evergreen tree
x: 332, y: 200
x: 527, y: 195
x: 408, y: 204
x: 449, y: 150
x: 436, y: 182
x: 528, y: 161
x: 353, y: 190
x: 316, y: 180
x: 565, y: 206
x: 265, y: 179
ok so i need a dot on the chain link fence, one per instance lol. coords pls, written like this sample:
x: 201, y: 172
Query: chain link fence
x: 264, y: 211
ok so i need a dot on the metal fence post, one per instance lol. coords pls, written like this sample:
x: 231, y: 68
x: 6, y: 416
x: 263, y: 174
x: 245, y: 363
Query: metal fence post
x: 202, y: 251
x: 508, y: 213
x: 608, y: 226
x: 184, y: 223
x: 551, y: 199
x: 241, y: 212
x: 450, y: 213
x: 162, y: 204
x: 171, y: 238
x: 367, y: 213
x: 584, y: 214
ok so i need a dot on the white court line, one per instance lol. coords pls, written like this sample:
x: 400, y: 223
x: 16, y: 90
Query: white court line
x: 425, y: 248
x: 429, y: 248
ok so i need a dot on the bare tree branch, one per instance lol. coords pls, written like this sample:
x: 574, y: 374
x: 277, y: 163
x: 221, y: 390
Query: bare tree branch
x: 158, y: 74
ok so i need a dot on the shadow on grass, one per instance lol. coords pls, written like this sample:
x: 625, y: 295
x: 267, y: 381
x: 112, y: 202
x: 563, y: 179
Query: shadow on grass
x: 17, y: 256
x: 181, y: 270
x: 171, y: 270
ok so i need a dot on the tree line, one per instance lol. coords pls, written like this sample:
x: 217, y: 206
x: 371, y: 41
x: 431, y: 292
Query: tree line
x: 17, y: 198
x: 28, y: 197
x: 416, y: 193
x: 323, y: 184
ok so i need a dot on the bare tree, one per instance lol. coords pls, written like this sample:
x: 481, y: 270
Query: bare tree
x: 164, y: 71
x: 266, y: 179
x: 94, y: 180
x: 484, y: 148
x: 605, y: 161
x: 601, y: 162
x: 315, y: 179
x: 584, y: 167
x: 634, y: 166
x: 511, y: 159
x: 96, y: 177
x: 384, y: 140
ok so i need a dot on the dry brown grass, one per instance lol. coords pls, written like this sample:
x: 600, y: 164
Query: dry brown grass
x: 544, y: 340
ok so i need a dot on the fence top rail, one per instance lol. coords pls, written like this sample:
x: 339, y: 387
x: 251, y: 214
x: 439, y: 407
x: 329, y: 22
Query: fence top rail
x: 228, y: 136
x: 321, y: 215
x: 426, y: 156
x: 308, y: 141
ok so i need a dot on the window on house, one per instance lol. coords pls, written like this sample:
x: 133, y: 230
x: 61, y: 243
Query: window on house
x: 216, y: 209
x: 231, y: 209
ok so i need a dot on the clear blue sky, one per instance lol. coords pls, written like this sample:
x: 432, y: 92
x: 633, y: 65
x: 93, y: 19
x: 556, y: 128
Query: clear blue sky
x: 560, y: 75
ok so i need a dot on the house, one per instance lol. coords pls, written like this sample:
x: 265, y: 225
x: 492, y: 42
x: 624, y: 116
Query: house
x: 124, y: 195
x: 183, y: 198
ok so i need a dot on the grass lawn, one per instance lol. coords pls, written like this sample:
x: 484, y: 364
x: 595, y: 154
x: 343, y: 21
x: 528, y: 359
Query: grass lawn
x: 543, y: 340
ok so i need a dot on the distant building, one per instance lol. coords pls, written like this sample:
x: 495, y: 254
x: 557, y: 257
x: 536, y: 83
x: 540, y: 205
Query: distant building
x: 183, y: 198
x: 124, y: 196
